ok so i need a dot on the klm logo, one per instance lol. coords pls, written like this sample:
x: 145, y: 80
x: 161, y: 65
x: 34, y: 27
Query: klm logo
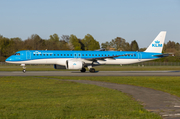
x: 157, y: 44
x: 36, y: 52
x: 74, y: 64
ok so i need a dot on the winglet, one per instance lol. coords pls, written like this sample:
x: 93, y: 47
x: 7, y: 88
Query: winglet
x: 157, y: 45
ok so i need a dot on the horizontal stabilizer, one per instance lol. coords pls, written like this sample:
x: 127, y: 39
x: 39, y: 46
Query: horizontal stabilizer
x: 162, y: 55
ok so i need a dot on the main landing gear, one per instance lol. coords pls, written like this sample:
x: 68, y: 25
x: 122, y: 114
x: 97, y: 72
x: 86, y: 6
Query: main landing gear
x: 83, y: 70
x: 24, y: 68
x: 92, y: 70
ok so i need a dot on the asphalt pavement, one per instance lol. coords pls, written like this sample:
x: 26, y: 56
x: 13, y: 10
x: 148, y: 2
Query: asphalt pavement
x: 97, y: 73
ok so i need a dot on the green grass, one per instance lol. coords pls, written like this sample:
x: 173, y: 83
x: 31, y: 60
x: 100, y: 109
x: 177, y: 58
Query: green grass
x: 167, y: 84
x: 30, y: 97
x: 98, y: 68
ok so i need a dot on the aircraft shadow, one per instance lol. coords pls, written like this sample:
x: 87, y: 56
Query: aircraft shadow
x: 84, y: 72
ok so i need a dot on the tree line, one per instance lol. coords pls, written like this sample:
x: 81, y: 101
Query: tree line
x: 9, y: 46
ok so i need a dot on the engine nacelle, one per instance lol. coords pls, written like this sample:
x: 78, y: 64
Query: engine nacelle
x: 74, y: 64
x: 59, y: 66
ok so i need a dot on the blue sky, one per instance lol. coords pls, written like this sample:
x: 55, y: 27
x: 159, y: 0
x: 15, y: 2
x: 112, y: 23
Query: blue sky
x: 105, y: 20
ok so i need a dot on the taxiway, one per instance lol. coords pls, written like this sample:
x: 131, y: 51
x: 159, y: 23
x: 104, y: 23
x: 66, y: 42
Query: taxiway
x: 97, y: 73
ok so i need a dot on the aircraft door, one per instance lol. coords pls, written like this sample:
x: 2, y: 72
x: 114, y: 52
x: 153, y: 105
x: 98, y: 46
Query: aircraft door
x: 28, y: 55
x: 77, y: 55
x: 139, y: 56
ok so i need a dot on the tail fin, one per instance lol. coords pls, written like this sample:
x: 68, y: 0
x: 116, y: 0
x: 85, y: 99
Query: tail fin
x: 157, y: 45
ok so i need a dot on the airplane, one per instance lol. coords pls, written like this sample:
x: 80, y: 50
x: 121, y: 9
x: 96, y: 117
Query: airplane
x: 88, y: 59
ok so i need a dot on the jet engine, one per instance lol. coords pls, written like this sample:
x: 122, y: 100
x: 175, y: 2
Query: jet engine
x: 74, y: 64
x: 70, y: 64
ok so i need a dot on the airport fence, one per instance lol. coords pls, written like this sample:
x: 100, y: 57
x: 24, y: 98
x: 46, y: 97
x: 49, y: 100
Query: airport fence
x: 137, y: 64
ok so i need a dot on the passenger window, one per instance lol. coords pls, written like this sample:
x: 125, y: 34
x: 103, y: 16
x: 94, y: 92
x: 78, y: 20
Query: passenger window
x: 135, y: 55
x: 99, y: 54
x: 74, y: 54
x: 34, y: 54
x: 41, y: 54
x: 67, y: 54
x: 58, y: 54
x: 47, y: 54
x: 54, y: 54
x: 50, y: 54
x: 86, y: 54
x: 71, y: 54
x: 96, y: 54
x: 37, y: 54
x: 92, y: 54
x: 105, y: 55
x: 44, y: 54
x: 64, y: 54
x: 61, y: 54
x: 89, y: 54
x: 79, y: 55
x: 82, y: 54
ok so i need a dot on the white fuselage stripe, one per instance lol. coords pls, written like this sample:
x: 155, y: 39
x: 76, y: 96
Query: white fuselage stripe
x: 61, y: 61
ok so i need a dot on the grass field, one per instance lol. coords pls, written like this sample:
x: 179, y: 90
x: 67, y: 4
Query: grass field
x: 168, y: 84
x: 33, y: 97
x: 98, y: 68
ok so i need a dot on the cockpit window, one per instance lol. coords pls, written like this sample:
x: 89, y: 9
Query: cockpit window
x: 17, y: 54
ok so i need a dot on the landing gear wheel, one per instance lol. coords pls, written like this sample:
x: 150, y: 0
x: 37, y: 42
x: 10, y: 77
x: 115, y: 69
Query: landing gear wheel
x: 83, y: 70
x: 24, y: 71
x: 92, y: 70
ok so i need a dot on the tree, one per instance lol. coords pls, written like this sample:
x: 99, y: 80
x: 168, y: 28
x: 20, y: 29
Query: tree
x: 4, y: 48
x: 16, y: 44
x: 63, y: 45
x: 53, y: 42
x: 65, y: 38
x: 35, y: 42
x: 134, y: 46
x: 54, y: 38
x: 106, y: 45
x: 119, y: 44
x: 74, y: 43
x: 90, y: 43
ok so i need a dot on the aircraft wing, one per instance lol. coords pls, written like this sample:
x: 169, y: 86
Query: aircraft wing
x: 103, y: 58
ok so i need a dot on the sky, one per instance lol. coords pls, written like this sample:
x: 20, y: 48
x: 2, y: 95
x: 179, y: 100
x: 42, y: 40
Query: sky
x: 139, y: 20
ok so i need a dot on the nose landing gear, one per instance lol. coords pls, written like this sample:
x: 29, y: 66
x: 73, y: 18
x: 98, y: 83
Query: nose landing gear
x: 24, y: 68
x: 24, y: 71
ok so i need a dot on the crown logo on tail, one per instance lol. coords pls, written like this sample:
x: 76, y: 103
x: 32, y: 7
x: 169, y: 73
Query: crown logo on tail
x: 157, y: 44
x: 157, y: 41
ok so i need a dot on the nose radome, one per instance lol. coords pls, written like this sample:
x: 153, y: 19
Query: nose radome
x: 8, y: 59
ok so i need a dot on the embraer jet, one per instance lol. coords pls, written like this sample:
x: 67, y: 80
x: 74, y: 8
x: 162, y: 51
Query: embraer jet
x: 88, y: 59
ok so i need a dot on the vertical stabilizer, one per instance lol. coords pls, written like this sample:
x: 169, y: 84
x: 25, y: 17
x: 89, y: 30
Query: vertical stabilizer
x: 157, y: 45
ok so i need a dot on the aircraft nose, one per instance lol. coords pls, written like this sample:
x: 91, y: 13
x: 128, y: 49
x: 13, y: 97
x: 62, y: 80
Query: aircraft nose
x: 8, y: 59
